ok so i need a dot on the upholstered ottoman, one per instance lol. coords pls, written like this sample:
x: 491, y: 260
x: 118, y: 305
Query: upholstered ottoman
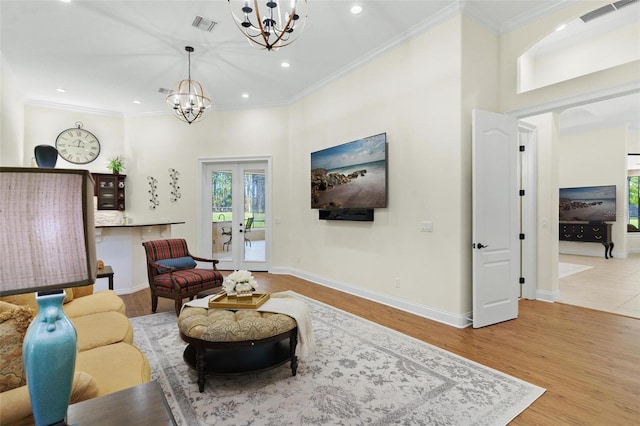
x: 226, y: 342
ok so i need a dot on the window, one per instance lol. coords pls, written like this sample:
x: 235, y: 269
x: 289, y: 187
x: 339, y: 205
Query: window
x: 634, y: 187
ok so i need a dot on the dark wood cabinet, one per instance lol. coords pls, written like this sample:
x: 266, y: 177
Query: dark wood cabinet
x: 588, y: 233
x: 110, y: 190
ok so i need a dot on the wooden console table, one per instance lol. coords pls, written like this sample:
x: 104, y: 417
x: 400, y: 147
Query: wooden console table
x: 588, y: 233
x: 140, y: 405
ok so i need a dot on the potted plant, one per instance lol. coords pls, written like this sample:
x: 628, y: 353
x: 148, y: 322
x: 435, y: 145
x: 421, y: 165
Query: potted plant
x: 116, y: 165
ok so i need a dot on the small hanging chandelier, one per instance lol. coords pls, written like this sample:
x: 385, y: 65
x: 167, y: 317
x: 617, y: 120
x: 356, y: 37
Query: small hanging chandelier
x: 278, y: 27
x: 188, y: 101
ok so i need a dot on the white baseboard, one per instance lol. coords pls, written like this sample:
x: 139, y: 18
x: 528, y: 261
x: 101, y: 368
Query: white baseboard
x: 134, y: 289
x: 448, y: 318
x: 547, y: 296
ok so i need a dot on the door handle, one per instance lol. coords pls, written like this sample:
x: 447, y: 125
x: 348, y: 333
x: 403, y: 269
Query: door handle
x: 480, y: 245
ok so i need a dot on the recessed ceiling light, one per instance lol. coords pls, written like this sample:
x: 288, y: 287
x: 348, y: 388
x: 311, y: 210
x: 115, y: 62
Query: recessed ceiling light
x: 355, y: 9
x: 137, y: 102
x: 245, y: 95
x: 285, y: 64
x: 61, y: 90
x: 65, y: 1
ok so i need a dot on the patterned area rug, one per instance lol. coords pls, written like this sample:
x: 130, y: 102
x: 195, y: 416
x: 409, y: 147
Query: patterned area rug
x: 566, y: 269
x: 359, y: 373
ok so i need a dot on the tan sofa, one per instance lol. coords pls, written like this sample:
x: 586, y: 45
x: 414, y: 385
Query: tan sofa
x: 107, y: 361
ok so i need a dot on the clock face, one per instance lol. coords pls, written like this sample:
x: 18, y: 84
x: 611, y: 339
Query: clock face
x: 77, y: 146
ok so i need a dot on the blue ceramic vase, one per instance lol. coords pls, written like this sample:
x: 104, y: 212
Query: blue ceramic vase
x: 49, y: 358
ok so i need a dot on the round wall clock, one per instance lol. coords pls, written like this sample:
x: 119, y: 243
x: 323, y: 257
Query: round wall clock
x: 77, y: 145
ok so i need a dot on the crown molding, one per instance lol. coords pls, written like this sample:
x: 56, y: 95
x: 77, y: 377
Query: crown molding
x: 471, y: 9
x: 74, y: 108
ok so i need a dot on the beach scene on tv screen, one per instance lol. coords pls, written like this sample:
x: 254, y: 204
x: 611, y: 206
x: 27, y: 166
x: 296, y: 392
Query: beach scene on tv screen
x: 351, y: 175
x: 596, y: 203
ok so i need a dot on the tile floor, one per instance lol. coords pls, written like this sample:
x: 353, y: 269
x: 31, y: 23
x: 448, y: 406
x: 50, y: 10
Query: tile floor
x: 611, y: 285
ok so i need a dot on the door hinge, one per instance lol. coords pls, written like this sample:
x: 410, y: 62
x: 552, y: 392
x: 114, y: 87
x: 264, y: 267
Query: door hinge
x: 522, y: 236
x: 521, y: 280
x: 521, y: 148
x: 522, y: 192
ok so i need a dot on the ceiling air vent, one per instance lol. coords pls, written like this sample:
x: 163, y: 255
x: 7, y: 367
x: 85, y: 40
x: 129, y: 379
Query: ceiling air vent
x: 606, y: 9
x: 165, y: 91
x: 623, y: 3
x: 598, y: 13
x: 204, y: 24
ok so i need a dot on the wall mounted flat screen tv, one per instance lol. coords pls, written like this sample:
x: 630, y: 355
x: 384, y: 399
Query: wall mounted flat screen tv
x: 588, y: 204
x: 351, y: 175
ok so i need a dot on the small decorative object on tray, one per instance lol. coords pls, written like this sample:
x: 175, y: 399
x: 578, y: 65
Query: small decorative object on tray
x: 240, y: 284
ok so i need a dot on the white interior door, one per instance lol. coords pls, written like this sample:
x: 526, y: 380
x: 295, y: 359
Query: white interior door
x: 495, y: 211
x: 237, y: 203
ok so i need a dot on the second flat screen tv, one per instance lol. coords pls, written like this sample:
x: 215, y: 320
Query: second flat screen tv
x: 350, y: 176
x: 588, y: 204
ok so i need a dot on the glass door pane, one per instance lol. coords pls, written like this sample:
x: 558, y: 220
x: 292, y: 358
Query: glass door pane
x: 254, y: 215
x: 222, y: 213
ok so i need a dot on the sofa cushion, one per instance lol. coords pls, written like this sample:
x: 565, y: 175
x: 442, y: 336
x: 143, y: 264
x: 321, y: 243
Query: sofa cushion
x: 115, y: 367
x: 102, y: 301
x: 14, y: 321
x: 29, y: 299
x: 102, y: 328
x: 24, y: 299
x: 16, y: 405
x: 184, y: 262
x: 82, y: 291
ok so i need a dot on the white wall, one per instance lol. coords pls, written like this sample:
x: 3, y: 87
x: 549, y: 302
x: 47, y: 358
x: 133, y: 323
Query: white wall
x: 418, y: 105
x: 591, y: 158
x: 633, y: 141
x: 547, y: 205
x: 45, y: 124
x: 11, y: 119
x: 592, y: 52
x: 516, y: 43
x: 156, y: 144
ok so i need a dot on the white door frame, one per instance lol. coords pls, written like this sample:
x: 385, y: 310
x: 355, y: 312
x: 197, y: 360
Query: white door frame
x: 204, y: 193
x: 530, y: 261
x: 528, y: 137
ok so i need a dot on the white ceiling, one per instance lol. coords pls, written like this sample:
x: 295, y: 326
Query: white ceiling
x: 106, y: 54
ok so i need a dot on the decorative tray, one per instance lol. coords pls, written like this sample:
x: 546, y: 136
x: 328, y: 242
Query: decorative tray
x: 224, y: 301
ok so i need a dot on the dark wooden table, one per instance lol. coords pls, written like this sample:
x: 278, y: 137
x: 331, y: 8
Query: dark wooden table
x: 106, y: 272
x: 140, y: 405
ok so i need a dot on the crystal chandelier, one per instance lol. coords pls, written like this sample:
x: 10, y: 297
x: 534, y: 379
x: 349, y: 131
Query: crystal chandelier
x: 188, y: 101
x: 279, y: 25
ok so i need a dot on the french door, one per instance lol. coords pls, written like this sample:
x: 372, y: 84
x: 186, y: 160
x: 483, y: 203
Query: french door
x: 237, y: 203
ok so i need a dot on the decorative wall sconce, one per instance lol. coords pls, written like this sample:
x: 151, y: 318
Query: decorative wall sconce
x: 175, y: 189
x: 153, y: 185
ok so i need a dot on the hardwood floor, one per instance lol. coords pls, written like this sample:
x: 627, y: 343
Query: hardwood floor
x: 588, y: 360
